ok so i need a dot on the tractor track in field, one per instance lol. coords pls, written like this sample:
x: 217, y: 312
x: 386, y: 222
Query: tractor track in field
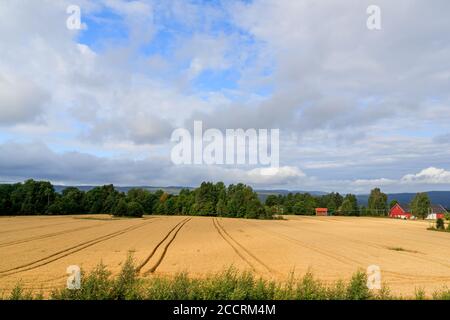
x: 352, y: 262
x: 219, y: 228
x: 174, y: 232
x: 344, y: 260
x: 69, y: 251
x: 414, y: 255
x: 45, y: 236
x: 232, y: 246
x: 161, y: 258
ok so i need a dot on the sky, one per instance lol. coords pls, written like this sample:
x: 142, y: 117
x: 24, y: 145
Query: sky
x: 356, y: 108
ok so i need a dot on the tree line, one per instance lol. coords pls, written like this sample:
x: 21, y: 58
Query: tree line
x: 305, y: 204
x: 337, y: 204
x: 210, y: 199
x: 40, y: 198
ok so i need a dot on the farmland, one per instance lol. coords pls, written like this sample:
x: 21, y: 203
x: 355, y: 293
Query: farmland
x: 37, y: 250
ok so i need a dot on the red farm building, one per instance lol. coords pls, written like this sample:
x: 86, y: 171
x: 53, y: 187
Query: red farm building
x: 403, y: 211
x: 322, y: 212
x: 400, y: 211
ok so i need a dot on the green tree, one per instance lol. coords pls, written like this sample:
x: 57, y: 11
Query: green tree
x: 6, y: 206
x: 272, y: 200
x: 102, y: 199
x: 33, y: 197
x: 71, y: 201
x: 349, y: 206
x: 221, y: 207
x: 299, y: 208
x: 135, y: 209
x: 420, y: 205
x: 145, y: 198
x: 393, y: 203
x: 121, y: 209
x: 377, y: 203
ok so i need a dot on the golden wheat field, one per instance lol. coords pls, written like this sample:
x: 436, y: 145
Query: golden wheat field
x: 37, y: 250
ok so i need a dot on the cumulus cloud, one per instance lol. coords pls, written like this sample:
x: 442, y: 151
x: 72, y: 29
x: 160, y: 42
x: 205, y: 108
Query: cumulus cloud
x: 275, y: 176
x: 429, y: 176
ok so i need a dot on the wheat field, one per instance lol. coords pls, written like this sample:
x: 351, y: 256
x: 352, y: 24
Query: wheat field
x: 36, y: 251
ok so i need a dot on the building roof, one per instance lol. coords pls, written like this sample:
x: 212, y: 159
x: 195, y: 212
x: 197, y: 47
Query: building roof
x: 405, y: 207
x: 435, y: 208
x: 321, y: 209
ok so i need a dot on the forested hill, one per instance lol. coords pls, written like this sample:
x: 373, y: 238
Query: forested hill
x: 436, y: 197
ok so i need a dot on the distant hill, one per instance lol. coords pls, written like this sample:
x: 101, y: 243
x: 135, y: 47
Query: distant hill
x: 171, y: 190
x: 263, y: 194
x: 436, y: 197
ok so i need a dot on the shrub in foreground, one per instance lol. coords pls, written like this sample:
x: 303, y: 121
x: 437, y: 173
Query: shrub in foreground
x: 440, y: 225
x: 230, y: 284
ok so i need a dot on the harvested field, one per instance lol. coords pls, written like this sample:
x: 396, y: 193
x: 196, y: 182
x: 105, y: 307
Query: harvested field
x: 37, y: 250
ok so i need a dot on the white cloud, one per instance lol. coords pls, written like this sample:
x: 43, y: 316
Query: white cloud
x: 21, y: 100
x: 374, y: 182
x: 274, y: 176
x: 428, y: 176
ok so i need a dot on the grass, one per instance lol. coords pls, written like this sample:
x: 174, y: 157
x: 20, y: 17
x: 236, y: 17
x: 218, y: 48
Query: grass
x: 400, y: 249
x: 229, y: 284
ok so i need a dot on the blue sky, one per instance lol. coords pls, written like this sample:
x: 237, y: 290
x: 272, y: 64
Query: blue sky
x: 106, y: 27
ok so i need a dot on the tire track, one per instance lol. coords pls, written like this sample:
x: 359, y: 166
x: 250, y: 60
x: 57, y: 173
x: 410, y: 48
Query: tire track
x: 161, y: 258
x: 352, y: 262
x: 344, y: 260
x: 243, y: 248
x: 68, y: 251
x: 375, y: 245
x: 49, y: 235
x: 232, y: 246
x: 138, y: 269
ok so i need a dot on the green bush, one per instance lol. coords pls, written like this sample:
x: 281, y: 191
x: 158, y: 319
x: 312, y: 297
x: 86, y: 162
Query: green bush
x: 121, y: 209
x: 19, y: 293
x: 442, y: 295
x: 99, y: 285
x: 135, y: 209
x: 357, y: 288
x: 440, y: 225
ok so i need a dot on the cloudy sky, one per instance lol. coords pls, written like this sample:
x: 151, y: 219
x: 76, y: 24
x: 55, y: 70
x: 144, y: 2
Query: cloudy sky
x: 356, y: 108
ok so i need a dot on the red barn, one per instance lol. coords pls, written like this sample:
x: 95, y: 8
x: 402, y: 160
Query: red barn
x: 322, y: 212
x: 403, y: 211
x: 400, y: 211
